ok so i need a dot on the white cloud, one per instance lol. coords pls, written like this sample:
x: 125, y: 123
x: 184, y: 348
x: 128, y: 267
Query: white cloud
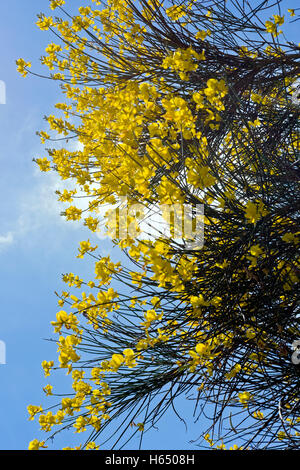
x: 6, y: 240
x: 40, y: 206
x: 38, y: 215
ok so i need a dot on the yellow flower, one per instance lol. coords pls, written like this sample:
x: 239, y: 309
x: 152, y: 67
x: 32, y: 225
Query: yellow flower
x: 45, y: 23
x: 22, y: 65
x: 175, y: 12
x: 235, y: 447
x: 215, y: 86
x: 202, y: 349
x: 73, y: 213
x: 80, y: 424
x: 255, y: 211
x: 290, y: 237
x: 56, y: 3
x: 85, y: 247
x: 47, y: 365
x: 48, y: 389
x: 202, y: 34
x: 43, y: 163
x: 244, y: 397
x: 116, y: 361
x: 63, y: 319
x: 33, y: 410
x: 281, y: 435
x: 36, y: 445
x: 129, y: 357
x: 91, y: 223
x: 258, y: 415
x: 272, y: 27
x: 256, y: 250
x: 91, y: 446
x: 200, y: 177
x: 278, y: 19
x: 233, y: 372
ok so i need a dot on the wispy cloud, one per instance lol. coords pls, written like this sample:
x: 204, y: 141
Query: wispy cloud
x: 6, y: 240
x: 38, y: 214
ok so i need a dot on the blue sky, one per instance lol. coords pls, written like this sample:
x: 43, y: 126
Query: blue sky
x: 36, y: 244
